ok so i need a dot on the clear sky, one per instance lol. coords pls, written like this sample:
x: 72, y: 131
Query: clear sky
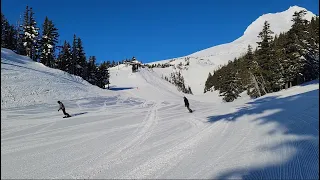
x: 150, y: 30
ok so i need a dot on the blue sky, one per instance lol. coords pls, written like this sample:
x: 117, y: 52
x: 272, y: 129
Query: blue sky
x: 150, y: 30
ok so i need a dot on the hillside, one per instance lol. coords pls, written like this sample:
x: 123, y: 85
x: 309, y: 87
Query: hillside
x: 25, y: 82
x: 207, y: 60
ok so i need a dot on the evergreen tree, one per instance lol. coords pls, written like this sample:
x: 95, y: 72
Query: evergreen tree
x: 81, y: 60
x: 48, y: 42
x: 296, y: 49
x: 208, y: 83
x: 8, y: 34
x: 103, y: 75
x: 30, y: 34
x: 265, y: 55
x: 20, y: 38
x: 64, y: 60
x: 92, y: 71
x: 311, y: 46
x: 74, y: 55
x: 230, y: 87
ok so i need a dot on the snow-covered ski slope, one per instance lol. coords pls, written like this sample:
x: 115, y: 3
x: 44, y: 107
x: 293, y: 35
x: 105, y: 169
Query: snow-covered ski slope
x: 207, y: 60
x: 141, y: 129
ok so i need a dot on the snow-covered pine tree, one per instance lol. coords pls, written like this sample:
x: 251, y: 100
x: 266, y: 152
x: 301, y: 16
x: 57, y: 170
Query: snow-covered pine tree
x: 296, y: 49
x: 48, y: 43
x: 30, y: 34
x: 231, y: 85
x: 266, y: 60
x: 311, y: 68
x: 208, y: 83
x: 256, y: 86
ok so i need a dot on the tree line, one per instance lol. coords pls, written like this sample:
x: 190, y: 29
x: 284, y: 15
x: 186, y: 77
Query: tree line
x: 177, y: 79
x: 280, y: 62
x: 41, y: 45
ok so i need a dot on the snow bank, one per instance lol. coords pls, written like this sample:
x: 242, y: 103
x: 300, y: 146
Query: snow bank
x: 25, y: 82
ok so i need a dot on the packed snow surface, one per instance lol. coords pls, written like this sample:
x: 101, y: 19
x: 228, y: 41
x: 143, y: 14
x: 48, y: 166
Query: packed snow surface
x: 140, y: 129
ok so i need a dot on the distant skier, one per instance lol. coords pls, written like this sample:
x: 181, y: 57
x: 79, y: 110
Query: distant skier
x: 63, y: 109
x: 186, y: 103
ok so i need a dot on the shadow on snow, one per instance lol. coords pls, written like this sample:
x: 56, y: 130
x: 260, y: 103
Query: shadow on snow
x: 77, y: 114
x: 120, y: 88
x: 300, y: 116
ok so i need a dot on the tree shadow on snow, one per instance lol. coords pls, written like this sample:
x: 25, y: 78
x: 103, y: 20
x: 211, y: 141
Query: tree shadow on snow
x: 299, y: 115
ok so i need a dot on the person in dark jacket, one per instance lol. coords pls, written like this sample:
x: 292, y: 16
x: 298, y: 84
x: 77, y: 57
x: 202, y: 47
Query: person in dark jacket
x: 63, y: 109
x: 186, y: 103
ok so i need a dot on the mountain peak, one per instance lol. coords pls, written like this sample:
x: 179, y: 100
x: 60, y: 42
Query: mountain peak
x: 279, y: 22
x: 295, y: 8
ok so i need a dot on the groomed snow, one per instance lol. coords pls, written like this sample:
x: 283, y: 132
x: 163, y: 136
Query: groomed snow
x: 140, y: 129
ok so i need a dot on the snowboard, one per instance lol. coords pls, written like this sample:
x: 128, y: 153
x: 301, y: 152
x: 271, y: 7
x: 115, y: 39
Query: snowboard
x: 66, y: 116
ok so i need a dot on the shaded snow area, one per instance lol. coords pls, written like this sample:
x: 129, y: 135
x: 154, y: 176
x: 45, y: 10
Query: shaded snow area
x: 140, y: 129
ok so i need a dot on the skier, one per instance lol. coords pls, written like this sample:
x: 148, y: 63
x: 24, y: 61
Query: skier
x: 186, y: 103
x: 63, y: 109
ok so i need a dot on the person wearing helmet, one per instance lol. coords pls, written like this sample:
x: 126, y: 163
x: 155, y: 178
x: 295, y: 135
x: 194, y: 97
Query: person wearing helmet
x: 63, y: 109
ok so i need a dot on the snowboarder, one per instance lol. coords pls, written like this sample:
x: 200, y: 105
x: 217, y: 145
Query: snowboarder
x: 186, y: 104
x: 63, y: 109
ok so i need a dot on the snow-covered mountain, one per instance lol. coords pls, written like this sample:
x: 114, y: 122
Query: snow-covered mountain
x: 207, y: 60
x: 141, y: 130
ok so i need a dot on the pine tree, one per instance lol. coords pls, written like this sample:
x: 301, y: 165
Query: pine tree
x: 92, y: 71
x: 81, y: 60
x: 311, y: 68
x: 266, y: 56
x: 30, y: 34
x: 296, y: 49
x: 74, y: 55
x: 64, y: 60
x: 103, y: 75
x: 48, y: 42
x: 20, y: 37
x: 231, y: 86
x: 8, y: 34
x: 208, y: 83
